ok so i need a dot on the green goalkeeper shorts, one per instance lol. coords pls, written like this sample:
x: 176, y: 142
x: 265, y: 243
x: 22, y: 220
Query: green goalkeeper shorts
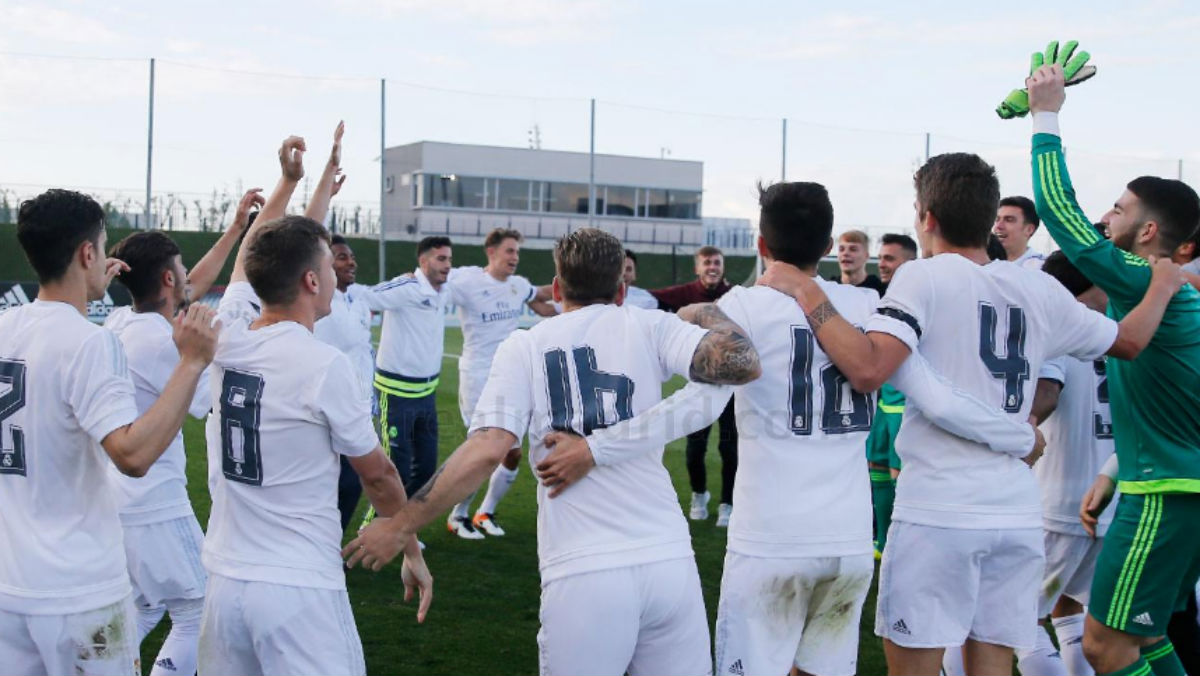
x: 1149, y: 563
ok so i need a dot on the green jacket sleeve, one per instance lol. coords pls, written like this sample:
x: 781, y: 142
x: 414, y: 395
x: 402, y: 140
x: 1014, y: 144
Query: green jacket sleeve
x: 1123, y: 276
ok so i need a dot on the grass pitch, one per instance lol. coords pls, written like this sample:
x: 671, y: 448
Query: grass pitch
x: 484, y: 618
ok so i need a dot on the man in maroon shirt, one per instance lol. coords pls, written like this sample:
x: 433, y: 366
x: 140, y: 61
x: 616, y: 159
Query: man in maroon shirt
x: 710, y: 285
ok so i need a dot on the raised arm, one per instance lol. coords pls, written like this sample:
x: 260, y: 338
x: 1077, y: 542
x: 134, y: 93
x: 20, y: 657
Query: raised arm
x: 725, y: 356
x: 204, y: 273
x: 331, y: 180
x: 291, y: 163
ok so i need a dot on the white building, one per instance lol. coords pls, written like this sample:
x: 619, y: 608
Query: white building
x: 465, y: 191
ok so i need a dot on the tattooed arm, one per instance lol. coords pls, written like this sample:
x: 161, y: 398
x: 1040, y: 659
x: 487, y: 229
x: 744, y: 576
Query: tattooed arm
x: 866, y: 359
x: 725, y: 356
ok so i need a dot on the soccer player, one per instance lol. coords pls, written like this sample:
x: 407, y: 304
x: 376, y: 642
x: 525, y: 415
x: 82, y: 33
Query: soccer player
x: 1016, y: 221
x: 799, y: 559
x: 965, y: 554
x: 409, y: 362
x: 68, y: 409
x: 852, y: 255
x: 710, y: 284
x: 490, y: 300
x: 620, y: 592
x: 284, y: 406
x: 162, y: 537
x: 882, y: 461
x: 1072, y: 406
x: 894, y: 250
x: 636, y: 295
x: 1151, y: 555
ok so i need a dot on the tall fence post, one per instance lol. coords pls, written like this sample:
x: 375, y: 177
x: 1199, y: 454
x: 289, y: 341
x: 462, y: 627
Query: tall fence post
x: 382, y: 177
x: 149, y: 146
x: 783, y: 162
x: 927, y: 139
x: 592, y: 167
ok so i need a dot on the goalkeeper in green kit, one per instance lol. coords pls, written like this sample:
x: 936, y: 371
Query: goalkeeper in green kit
x: 1150, y: 560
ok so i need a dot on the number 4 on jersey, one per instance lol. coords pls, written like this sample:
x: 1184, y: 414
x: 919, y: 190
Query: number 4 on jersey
x: 1012, y: 368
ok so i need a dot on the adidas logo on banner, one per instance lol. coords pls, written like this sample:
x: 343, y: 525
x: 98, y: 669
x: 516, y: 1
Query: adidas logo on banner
x: 13, y: 297
x: 900, y: 628
x: 1144, y: 619
x: 736, y: 668
x: 166, y: 663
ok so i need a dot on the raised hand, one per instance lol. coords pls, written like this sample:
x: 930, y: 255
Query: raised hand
x: 335, y: 154
x: 291, y: 158
x: 1047, y: 89
x: 112, y: 268
x: 338, y: 180
x: 241, y: 217
x: 195, y: 333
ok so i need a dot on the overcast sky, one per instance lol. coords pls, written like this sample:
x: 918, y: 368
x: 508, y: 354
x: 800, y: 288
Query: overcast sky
x: 860, y: 83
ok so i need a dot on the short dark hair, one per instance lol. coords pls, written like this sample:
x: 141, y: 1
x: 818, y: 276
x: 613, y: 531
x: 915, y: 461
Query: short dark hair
x: 1172, y: 204
x: 707, y: 250
x: 903, y: 241
x: 498, y: 235
x: 279, y: 253
x: 338, y: 239
x: 795, y: 221
x: 631, y: 256
x: 434, y: 242
x: 996, y: 250
x: 1058, y: 266
x: 51, y: 226
x: 962, y: 192
x: 1028, y: 210
x: 147, y: 254
x: 589, y: 263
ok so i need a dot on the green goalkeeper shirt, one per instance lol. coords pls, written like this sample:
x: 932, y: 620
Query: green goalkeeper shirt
x: 1155, y: 399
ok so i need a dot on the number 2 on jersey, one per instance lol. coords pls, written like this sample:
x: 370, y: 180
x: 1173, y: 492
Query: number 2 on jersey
x: 594, y: 384
x: 12, y: 378
x: 836, y: 416
x: 241, y: 395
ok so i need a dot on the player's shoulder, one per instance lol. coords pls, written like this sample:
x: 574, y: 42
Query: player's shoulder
x: 466, y: 272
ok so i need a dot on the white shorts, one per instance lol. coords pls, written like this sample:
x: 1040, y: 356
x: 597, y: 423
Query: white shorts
x: 164, y: 561
x: 256, y: 628
x: 778, y: 612
x: 1070, y: 565
x: 101, y: 642
x: 940, y: 586
x: 470, y: 388
x: 646, y: 619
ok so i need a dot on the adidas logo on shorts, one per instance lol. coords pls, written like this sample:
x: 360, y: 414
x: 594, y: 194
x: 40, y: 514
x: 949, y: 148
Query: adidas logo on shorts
x: 165, y: 663
x: 1144, y: 619
x: 736, y: 668
x: 900, y: 628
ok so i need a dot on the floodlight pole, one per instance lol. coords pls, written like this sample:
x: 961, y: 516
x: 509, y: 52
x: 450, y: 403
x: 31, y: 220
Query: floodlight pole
x: 783, y: 163
x: 149, y: 146
x: 592, y: 167
x: 382, y: 175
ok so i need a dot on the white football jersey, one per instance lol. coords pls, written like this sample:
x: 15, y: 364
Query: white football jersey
x: 1031, y: 260
x: 161, y: 495
x: 348, y: 328
x: 284, y: 406
x: 488, y: 309
x: 584, y: 370
x: 987, y: 328
x: 639, y: 297
x: 64, y: 387
x: 414, y: 324
x: 1079, y: 440
x: 802, y: 487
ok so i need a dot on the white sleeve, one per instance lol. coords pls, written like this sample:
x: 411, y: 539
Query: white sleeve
x: 506, y: 401
x: 348, y: 415
x: 202, y: 400
x: 99, y: 389
x: 239, y: 303
x: 390, y: 295
x: 525, y: 288
x: 675, y: 341
x: 1080, y: 332
x: 692, y: 408
x: 1111, y: 467
x: 958, y: 412
x: 165, y: 363
x: 734, y: 307
x: 1054, y: 369
x: 903, y: 311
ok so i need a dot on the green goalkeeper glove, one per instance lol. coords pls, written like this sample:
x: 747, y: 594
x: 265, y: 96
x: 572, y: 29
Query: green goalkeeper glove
x: 1075, y: 70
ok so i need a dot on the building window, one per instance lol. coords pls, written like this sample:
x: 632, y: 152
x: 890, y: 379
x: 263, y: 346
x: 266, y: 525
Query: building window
x: 620, y: 201
x: 513, y: 195
x: 566, y: 198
